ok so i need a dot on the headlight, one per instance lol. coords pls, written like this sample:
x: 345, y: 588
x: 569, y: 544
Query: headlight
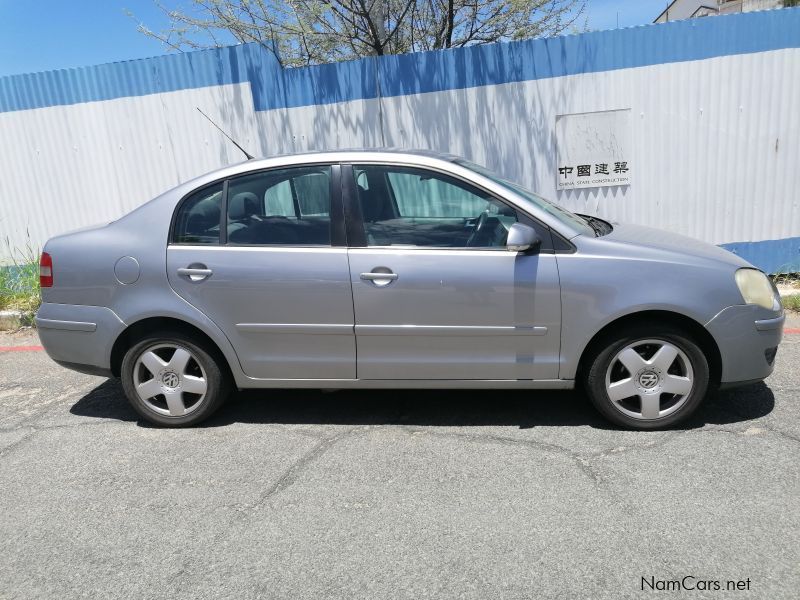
x: 756, y: 288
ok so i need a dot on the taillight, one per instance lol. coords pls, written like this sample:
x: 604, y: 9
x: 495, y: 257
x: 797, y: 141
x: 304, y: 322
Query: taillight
x: 46, y: 271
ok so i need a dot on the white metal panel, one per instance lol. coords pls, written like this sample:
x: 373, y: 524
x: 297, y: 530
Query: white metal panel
x: 344, y: 125
x: 716, y: 142
x: 65, y: 167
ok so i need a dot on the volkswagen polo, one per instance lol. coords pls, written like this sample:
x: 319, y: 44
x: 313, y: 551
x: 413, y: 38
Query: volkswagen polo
x: 383, y: 269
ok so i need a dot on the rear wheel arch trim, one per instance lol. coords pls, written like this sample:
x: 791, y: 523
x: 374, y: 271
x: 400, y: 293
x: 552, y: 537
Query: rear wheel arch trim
x: 693, y: 328
x: 136, y: 330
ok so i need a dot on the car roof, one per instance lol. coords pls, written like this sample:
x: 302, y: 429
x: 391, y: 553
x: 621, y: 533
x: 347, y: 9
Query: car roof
x: 412, y: 157
x: 367, y: 152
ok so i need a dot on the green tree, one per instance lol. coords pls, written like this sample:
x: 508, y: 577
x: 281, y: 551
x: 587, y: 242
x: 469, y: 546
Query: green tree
x: 304, y: 32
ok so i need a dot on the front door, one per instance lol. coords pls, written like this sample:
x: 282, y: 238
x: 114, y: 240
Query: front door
x: 273, y: 281
x: 436, y: 293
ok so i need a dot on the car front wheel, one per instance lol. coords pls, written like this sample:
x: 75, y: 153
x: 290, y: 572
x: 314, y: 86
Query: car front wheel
x: 648, y: 377
x: 173, y: 380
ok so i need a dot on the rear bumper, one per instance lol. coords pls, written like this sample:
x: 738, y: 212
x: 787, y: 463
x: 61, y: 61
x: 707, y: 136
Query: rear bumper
x: 747, y: 337
x: 79, y: 337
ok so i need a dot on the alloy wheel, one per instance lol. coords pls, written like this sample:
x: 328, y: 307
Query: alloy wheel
x: 649, y: 379
x: 169, y: 380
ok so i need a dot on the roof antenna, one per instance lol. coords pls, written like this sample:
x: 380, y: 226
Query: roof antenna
x: 245, y: 152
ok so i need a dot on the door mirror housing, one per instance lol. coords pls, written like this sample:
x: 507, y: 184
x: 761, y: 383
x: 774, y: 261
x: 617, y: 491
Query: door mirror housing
x: 522, y: 237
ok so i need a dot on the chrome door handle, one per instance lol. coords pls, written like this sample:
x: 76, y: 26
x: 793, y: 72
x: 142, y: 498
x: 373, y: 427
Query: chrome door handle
x: 195, y: 273
x: 379, y: 276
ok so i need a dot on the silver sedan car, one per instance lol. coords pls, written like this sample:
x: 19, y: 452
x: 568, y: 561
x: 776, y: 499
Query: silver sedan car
x: 383, y: 269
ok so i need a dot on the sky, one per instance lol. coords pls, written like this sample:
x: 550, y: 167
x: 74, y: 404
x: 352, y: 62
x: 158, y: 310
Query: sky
x: 41, y: 35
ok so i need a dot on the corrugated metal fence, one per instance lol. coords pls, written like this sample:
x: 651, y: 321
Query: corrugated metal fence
x: 714, y: 108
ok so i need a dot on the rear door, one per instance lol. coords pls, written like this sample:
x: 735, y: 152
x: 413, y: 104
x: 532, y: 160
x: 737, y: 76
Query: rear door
x: 263, y: 256
x: 436, y: 293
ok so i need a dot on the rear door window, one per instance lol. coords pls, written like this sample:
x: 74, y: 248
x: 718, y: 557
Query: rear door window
x: 281, y: 207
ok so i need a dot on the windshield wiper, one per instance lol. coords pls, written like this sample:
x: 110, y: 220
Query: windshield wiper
x: 599, y: 226
x: 590, y: 221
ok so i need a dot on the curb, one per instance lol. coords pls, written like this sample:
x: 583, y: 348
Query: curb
x: 21, y: 348
x: 11, y: 319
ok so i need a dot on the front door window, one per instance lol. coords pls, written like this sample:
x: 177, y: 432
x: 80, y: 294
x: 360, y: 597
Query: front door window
x: 404, y: 206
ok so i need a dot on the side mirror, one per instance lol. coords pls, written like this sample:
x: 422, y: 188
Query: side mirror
x: 522, y: 237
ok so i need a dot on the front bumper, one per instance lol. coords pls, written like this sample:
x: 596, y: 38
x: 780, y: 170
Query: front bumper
x: 79, y: 337
x: 747, y: 337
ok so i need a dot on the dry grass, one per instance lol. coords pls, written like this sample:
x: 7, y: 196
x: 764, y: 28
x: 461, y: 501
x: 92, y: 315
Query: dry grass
x: 19, y: 281
x: 791, y: 302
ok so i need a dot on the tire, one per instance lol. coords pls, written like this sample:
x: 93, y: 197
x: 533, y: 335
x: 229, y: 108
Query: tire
x: 173, y: 380
x: 637, y: 360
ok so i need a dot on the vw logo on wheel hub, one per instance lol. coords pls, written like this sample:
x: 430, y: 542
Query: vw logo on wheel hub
x: 648, y: 379
x: 170, y: 379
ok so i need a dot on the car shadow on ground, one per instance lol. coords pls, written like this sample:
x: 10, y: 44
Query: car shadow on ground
x: 518, y: 408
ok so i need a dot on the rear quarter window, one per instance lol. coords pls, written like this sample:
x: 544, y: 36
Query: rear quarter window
x: 197, y: 220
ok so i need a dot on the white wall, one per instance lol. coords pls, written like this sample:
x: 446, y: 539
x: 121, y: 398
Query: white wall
x: 65, y: 167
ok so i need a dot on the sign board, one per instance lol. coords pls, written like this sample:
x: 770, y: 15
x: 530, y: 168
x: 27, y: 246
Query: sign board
x: 593, y: 149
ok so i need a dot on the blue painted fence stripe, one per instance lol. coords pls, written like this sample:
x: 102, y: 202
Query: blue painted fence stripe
x: 398, y: 75
x: 694, y: 39
x: 169, y: 73
x: 528, y: 60
x: 771, y: 256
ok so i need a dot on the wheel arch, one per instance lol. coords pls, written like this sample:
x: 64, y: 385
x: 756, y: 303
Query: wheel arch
x: 137, y: 330
x: 698, y: 333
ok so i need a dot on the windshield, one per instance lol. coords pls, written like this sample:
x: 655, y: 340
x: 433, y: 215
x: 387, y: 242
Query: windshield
x: 551, y: 208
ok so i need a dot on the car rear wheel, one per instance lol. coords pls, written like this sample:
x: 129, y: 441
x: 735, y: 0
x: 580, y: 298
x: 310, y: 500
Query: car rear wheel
x: 648, y: 377
x: 172, y: 380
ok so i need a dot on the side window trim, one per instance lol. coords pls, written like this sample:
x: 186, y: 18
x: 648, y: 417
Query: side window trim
x: 356, y: 233
x: 223, y: 216
x: 338, y: 222
x: 354, y: 221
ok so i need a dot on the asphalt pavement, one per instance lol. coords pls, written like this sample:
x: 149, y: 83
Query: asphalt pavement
x: 381, y: 494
